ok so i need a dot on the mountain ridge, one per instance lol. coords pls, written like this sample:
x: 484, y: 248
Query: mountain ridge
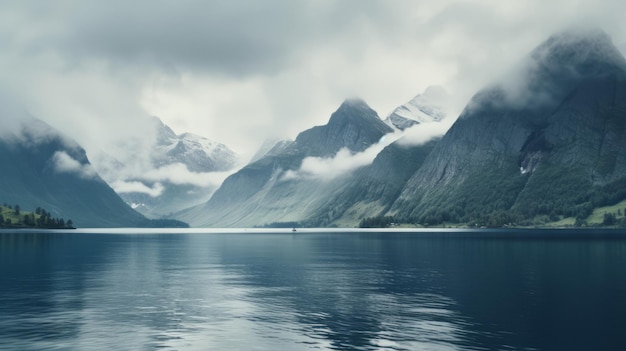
x: 47, y: 169
x: 515, y: 145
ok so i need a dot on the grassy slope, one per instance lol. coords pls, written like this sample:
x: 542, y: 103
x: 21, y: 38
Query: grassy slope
x: 16, y: 220
x: 597, y: 217
x: 9, y: 213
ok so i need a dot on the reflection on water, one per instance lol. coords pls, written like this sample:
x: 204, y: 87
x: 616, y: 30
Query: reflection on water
x: 357, y: 291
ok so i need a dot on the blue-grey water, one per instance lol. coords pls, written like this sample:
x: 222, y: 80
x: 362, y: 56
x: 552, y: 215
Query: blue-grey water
x: 477, y: 290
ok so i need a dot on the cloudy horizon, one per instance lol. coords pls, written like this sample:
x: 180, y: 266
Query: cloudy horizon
x: 240, y: 72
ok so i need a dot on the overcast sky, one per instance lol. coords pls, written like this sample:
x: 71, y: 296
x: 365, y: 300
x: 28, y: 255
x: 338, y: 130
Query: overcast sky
x: 239, y: 71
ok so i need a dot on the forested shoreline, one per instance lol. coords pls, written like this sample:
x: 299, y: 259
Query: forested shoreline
x: 12, y: 216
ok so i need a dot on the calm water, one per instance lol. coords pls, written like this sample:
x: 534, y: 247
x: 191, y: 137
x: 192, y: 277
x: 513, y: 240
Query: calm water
x: 549, y: 290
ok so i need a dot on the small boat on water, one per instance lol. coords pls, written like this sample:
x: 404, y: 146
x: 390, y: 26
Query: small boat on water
x: 293, y: 229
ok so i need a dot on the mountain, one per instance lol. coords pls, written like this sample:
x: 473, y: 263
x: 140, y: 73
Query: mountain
x: 547, y: 140
x: 198, y: 153
x: 271, y: 147
x: 354, y: 126
x: 273, y: 188
x: 43, y: 168
x: 372, y: 189
x: 196, y: 157
x: 423, y: 108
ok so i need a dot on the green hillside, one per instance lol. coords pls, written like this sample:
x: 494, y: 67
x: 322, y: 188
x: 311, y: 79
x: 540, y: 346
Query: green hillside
x: 14, y: 217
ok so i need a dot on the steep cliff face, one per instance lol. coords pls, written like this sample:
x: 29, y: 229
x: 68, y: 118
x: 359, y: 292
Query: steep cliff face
x: 42, y: 168
x: 263, y: 192
x: 556, y: 123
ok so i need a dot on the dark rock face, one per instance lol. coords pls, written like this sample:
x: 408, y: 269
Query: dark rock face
x: 564, y: 110
x: 354, y: 126
x: 41, y: 168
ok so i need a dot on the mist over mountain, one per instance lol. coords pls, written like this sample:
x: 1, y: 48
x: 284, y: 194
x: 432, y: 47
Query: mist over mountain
x: 372, y: 190
x: 178, y: 172
x: 548, y: 139
x: 43, y: 168
x: 294, y: 179
x: 543, y: 143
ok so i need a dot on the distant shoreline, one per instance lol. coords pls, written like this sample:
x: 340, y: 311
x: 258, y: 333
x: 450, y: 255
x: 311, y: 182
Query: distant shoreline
x: 338, y: 231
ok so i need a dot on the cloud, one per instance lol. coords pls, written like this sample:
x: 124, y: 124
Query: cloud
x: 178, y: 173
x: 420, y: 134
x: 64, y: 163
x: 343, y: 162
x: 242, y: 70
x: 137, y: 187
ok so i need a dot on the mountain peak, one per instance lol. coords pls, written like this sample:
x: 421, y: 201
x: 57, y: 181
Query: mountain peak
x: 354, y: 102
x: 353, y: 109
x: 353, y: 125
x: 163, y: 131
x: 551, y: 71
x: 590, y: 51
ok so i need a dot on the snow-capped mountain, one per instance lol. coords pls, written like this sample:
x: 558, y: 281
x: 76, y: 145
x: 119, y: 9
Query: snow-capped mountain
x: 423, y: 108
x: 198, y: 153
x: 183, y: 170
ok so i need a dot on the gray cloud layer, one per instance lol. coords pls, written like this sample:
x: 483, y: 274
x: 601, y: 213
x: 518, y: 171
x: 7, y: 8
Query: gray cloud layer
x: 240, y: 71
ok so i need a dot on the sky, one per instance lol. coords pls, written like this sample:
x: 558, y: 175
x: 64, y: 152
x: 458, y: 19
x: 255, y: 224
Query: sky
x: 242, y: 71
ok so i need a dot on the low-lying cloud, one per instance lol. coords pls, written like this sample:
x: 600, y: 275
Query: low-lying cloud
x: 64, y: 163
x: 345, y: 161
x: 422, y: 133
x: 179, y: 174
x: 121, y: 187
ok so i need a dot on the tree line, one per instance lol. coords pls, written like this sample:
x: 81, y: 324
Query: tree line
x: 15, y: 217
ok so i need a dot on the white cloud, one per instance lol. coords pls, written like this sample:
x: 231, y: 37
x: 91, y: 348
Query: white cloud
x: 64, y: 163
x: 237, y: 72
x: 137, y: 187
x: 422, y: 133
x: 344, y: 162
x: 178, y: 173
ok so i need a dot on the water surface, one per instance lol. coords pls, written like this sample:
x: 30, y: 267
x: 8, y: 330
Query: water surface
x: 446, y: 290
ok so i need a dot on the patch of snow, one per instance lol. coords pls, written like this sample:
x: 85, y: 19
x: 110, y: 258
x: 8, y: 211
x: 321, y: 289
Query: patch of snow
x: 423, y: 108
